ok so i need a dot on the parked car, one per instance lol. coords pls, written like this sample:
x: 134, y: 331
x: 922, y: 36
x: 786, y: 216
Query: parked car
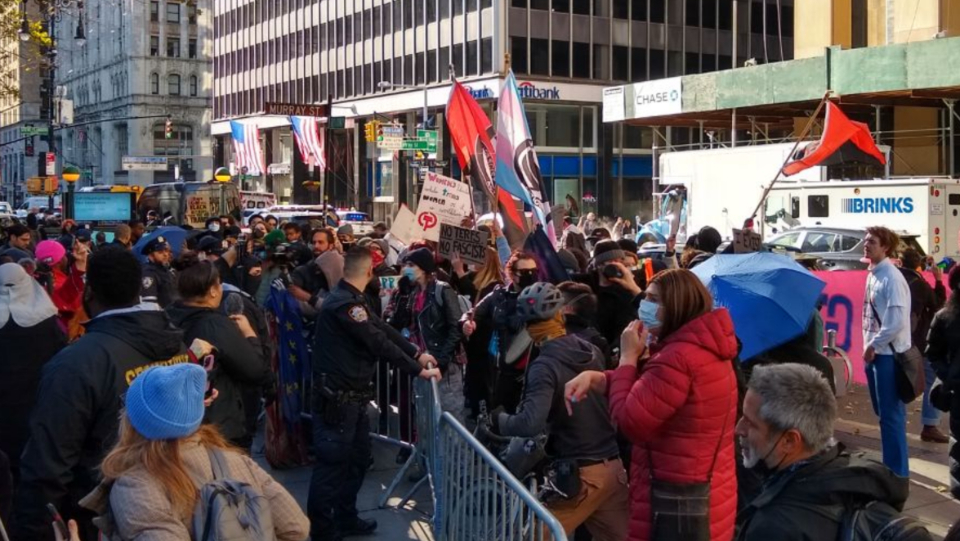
x: 360, y: 221
x: 836, y: 248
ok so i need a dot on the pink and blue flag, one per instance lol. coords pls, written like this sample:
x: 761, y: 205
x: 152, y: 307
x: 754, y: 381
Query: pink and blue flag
x: 518, y: 170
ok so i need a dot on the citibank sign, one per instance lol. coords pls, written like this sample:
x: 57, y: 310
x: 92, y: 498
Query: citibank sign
x: 529, y: 91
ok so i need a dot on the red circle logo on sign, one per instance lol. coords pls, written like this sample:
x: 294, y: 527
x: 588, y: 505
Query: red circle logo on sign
x: 427, y: 220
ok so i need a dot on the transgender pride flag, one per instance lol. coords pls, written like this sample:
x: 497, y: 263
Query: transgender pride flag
x: 246, y: 148
x: 518, y: 170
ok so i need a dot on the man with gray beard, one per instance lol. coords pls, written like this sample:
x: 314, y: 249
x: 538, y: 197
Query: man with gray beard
x: 811, y: 486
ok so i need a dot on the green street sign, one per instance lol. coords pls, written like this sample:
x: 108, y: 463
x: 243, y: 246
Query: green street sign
x: 417, y: 144
x: 29, y: 131
x: 430, y: 135
x: 336, y: 122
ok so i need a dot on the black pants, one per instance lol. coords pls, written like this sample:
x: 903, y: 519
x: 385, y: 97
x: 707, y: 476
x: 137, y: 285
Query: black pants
x: 343, y: 454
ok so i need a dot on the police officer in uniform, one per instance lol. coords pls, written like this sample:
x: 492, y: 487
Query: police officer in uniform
x: 349, y: 339
x: 159, y: 283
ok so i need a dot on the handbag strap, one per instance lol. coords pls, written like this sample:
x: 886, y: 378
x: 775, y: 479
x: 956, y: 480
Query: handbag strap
x: 716, y: 452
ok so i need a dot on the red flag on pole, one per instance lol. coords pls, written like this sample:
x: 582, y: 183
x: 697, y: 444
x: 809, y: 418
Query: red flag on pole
x: 843, y: 141
x: 470, y: 132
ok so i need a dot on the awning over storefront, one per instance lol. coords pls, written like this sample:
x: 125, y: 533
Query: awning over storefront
x: 921, y: 74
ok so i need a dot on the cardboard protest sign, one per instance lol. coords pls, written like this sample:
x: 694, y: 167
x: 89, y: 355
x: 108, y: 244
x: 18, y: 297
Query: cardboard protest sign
x: 746, y: 241
x: 442, y: 200
x: 403, y: 224
x: 469, y: 244
x: 389, y: 283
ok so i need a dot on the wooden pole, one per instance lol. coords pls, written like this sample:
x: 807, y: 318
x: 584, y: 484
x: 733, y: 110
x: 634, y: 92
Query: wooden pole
x: 803, y: 134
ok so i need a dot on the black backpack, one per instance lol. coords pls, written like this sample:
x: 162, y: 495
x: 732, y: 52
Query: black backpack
x: 878, y: 521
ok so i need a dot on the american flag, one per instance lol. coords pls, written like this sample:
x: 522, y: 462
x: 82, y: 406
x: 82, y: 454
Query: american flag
x: 309, y: 139
x: 246, y: 147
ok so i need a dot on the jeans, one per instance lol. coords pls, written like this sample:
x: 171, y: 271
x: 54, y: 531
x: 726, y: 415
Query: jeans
x: 882, y: 381
x: 343, y: 455
x: 929, y: 414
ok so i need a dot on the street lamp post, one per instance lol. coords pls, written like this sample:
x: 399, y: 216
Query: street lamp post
x: 70, y: 175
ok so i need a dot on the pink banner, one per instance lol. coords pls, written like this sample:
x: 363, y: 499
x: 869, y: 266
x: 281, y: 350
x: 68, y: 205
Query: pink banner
x: 842, y: 310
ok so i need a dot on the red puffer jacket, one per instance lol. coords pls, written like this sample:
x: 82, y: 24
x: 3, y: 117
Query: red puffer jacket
x: 684, y: 396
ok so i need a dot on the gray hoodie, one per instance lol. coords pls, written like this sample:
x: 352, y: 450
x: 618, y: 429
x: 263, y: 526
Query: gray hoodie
x: 588, y: 434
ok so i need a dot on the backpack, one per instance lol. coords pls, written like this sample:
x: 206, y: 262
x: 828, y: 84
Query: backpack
x: 462, y: 300
x: 230, y: 510
x: 878, y: 521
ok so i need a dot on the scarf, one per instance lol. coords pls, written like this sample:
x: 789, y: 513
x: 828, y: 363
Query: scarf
x: 548, y: 329
x: 22, y: 298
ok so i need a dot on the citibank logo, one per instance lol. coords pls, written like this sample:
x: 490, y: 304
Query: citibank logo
x: 482, y: 93
x: 529, y: 91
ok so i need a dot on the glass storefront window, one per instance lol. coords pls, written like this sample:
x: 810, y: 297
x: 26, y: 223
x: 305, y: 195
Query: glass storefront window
x: 563, y: 126
x: 589, y: 114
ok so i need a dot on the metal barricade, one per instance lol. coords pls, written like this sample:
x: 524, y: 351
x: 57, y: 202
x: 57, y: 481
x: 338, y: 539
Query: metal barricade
x: 397, y: 421
x: 477, y: 498
x: 842, y: 367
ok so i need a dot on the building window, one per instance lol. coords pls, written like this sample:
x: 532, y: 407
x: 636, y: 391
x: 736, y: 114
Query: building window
x: 154, y: 83
x: 581, y: 63
x: 518, y: 54
x: 561, y: 58
x: 173, y: 12
x: 173, y: 84
x: 539, y: 56
x: 192, y: 13
x: 154, y: 45
x: 193, y: 85
x: 154, y: 12
x: 173, y: 47
x: 192, y: 48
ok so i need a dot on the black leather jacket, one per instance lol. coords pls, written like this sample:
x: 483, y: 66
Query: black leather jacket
x: 438, y: 321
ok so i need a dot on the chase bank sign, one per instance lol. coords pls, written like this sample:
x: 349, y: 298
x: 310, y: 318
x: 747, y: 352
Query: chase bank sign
x: 532, y: 92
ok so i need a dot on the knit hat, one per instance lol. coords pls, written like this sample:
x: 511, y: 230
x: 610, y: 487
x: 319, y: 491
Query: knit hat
x: 345, y: 229
x: 568, y: 260
x: 423, y: 258
x: 50, y: 252
x: 166, y: 402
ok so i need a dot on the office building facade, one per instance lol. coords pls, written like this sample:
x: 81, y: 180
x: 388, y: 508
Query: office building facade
x: 381, y: 59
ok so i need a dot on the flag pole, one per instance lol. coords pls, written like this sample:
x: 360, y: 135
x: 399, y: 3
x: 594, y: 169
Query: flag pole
x: 800, y: 138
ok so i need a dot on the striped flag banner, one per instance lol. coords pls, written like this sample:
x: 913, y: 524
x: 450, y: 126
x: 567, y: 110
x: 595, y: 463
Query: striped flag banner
x: 246, y: 148
x: 309, y: 138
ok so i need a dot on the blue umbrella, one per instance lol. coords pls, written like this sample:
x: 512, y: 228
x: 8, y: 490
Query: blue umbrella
x: 172, y: 234
x: 771, y: 298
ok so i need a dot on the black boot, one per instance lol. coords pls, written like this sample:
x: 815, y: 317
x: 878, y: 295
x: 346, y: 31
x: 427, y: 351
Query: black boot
x: 357, y: 526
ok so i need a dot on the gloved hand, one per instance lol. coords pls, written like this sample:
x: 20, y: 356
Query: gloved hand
x: 495, y: 419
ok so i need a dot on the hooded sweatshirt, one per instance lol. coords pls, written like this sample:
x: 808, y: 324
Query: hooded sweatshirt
x: 75, y: 422
x: 806, y: 503
x: 588, y: 434
x: 239, y: 361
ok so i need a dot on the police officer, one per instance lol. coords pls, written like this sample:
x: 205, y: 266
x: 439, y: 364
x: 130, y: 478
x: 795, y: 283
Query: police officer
x: 349, y: 339
x: 159, y: 283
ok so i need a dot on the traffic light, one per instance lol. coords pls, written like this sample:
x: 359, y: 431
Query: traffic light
x: 168, y: 129
x: 379, y: 131
x: 28, y: 151
x: 369, y: 129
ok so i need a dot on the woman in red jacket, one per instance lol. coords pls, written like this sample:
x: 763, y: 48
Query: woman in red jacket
x: 676, y: 402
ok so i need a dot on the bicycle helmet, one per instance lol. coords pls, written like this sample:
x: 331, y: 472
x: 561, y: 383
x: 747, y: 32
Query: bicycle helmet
x: 541, y: 301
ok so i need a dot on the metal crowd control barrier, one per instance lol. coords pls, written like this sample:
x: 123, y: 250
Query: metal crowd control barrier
x: 842, y: 367
x: 397, y: 421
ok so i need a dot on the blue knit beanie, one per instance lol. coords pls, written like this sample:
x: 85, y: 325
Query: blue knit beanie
x: 166, y: 402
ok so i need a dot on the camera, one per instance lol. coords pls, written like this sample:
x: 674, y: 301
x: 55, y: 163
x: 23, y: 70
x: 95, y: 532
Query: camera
x: 612, y: 271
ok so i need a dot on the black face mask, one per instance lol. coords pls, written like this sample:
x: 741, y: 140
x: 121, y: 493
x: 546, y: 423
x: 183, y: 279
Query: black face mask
x: 526, y: 278
x: 761, y: 469
x: 257, y: 234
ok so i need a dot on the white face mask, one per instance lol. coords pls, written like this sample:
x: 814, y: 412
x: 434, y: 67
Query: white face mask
x: 215, y: 226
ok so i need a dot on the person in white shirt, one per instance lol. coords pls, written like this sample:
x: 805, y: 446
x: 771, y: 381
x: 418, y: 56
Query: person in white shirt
x: 886, y: 330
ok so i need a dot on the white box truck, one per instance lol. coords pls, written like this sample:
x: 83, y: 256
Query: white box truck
x: 927, y: 207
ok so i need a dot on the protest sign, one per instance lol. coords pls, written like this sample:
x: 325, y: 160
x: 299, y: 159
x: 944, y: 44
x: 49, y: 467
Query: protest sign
x: 442, y: 200
x: 389, y: 283
x: 746, y: 241
x: 403, y: 224
x: 469, y: 244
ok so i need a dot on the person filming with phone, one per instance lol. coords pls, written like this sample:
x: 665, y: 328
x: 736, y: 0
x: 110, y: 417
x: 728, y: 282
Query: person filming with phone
x: 674, y: 397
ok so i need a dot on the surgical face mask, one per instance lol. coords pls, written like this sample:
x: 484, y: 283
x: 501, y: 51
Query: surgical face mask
x: 409, y: 273
x: 214, y: 226
x: 648, y: 314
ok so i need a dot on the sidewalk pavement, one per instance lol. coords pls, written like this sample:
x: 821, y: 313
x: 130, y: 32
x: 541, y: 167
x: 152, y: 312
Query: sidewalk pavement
x: 410, y: 523
x: 930, y: 500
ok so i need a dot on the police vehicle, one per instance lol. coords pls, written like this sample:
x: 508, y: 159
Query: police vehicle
x: 926, y: 207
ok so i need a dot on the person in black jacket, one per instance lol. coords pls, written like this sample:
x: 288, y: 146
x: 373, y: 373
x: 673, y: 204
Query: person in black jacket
x: 29, y: 337
x: 943, y: 350
x: 583, y: 435
x: 924, y: 303
x: 786, y: 433
x: 580, y: 317
x: 615, y: 283
x: 240, y: 356
x: 75, y: 421
x: 431, y: 315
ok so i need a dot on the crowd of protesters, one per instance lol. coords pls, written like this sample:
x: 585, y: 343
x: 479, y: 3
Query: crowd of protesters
x: 628, y: 367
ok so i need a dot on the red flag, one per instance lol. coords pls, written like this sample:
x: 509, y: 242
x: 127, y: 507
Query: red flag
x: 843, y: 141
x: 470, y: 132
